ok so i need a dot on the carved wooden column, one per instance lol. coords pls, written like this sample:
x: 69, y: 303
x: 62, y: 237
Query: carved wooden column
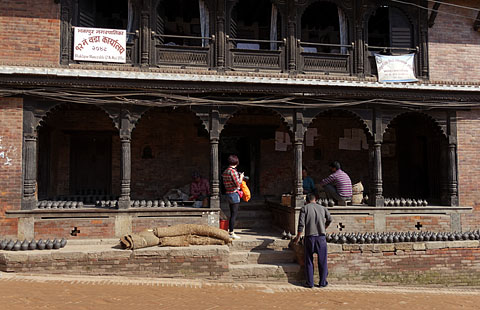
x: 220, y: 38
x: 377, y: 181
x: 29, y: 199
x: 375, y: 152
x: 145, y: 37
x: 66, y: 31
x: 291, y: 37
x: 452, y: 174
x: 214, y: 160
x: 298, y: 158
x: 126, y: 160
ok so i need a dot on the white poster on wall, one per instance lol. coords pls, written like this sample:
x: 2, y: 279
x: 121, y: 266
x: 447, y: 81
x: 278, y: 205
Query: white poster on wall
x: 102, y: 45
x: 396, y: 69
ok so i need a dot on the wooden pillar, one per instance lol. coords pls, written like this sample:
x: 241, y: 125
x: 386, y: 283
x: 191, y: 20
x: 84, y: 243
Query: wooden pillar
x: 292, y: 37
x: 29, y: 198
x: 214, y: 160
x: 375, y: 152
x: 220, y: 38
x: 452, y: 173
x: 298, y: 158
x: 145, y: 38
x: 126, y: 160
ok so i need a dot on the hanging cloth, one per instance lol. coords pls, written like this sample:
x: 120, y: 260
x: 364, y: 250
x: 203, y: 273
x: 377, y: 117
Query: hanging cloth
x: 273, y: 28
x: 342, y: 20
x: 204, y: 21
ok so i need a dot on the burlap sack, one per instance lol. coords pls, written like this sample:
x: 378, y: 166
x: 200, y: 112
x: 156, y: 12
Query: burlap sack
x: 143, y: 239
x: 357, y: 199
x: 192, y: 229
x: 189, y: 240
x: 357, y: 188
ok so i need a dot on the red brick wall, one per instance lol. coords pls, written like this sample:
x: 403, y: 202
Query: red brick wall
x: 351, y: 223
x: 61, y: 228
x: 468, y: 148
x: 407, y: 223
x: 326, y: 149
x: 425, y: 263
x: 11, y: 128
x: 30, y: 32
x: 454, y: 45
x: 177, y: 151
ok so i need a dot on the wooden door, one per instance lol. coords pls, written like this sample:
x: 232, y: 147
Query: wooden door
x: 90, y: 164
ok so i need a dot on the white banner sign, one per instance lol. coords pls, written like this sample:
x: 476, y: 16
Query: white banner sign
x: 103, y: 45
x: 395, y: 68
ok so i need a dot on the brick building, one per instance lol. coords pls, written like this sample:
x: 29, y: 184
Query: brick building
x: 286, y: 85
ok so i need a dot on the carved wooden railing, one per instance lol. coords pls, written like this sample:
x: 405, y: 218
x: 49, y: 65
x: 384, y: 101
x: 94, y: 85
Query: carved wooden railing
x: 183, y: 55
x: 257, y: 59
x: 337, y: 59
x: 370, y: 50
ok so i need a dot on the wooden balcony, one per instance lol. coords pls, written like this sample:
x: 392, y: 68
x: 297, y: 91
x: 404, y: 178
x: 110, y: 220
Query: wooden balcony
x: 256, y: 55
x: 314, y: 57
x: 191, y: 52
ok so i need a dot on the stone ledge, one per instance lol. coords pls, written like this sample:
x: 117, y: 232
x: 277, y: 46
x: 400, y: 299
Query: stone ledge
x: 404, y: 246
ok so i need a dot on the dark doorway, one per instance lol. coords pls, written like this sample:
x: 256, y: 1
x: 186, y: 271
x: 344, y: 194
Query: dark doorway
x: 247, y: 150
x: 90, y: 164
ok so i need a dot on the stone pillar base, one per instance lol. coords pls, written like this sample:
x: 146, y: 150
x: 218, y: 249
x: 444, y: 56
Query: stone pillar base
x: 124, y: 203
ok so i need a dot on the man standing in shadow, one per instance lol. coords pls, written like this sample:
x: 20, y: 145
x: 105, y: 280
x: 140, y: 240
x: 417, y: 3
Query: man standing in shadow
x: 315, y: 219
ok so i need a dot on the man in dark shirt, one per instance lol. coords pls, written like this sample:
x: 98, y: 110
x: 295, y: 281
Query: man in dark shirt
x: 315, y: 219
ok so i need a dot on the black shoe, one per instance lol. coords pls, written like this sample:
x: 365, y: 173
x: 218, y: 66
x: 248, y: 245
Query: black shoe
x: 307, y: 286
x: 323, y: 285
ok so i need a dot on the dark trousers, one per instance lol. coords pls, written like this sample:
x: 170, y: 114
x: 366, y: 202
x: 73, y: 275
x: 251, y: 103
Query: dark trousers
x: 316, y: 244
x: 233, y: 216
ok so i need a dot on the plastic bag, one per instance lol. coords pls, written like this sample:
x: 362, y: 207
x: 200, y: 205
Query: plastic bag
x: 246, y: 191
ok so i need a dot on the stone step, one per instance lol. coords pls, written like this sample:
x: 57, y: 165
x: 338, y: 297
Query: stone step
x: 262, y: 272
x: 261, y: 257
x: 258, y: 244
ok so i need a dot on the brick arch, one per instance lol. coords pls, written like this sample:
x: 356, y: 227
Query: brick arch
x: 366, y: 127
x: 281, y: 115
x: 41, y: 121
x: 153, y: 109
x: 434, y: 122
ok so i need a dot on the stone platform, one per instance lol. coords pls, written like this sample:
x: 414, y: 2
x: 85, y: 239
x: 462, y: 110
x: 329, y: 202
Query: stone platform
x: 259, y: 257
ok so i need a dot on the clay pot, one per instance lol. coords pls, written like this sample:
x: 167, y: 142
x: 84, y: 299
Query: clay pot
x: 41, y: 244
x: 403, y: 202
x: 174, y: 204
x: 136, y: 204
x: 143, y: 204
x: 149, y: 204
x: 68, y: 204
x: 74, y: 205
x: 49, y: 245
x: 376, y: 239
x: 63, y: 242
x: 32, y: 245
x: 3, y: 244
x: 331, y: 203
x: 335, y: 239
x: 49, y: 204
x: 9, y: 245
x: 55, y: 204
x: 155, y: 204
x: 396, y: 239
x: 414, y: 203
x: 168, y: 204
x: 56, y: 244
x: 17, y: 246
x: 24, y: 245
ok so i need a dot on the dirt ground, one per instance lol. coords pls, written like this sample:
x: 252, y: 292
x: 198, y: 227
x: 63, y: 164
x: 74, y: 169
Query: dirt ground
x: 98, y: 293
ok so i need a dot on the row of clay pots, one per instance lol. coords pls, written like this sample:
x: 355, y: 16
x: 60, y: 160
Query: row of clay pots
x: 49, y: 204
x: 10, y: 245
x: 107, y: 203
x: 153, y: 204
x: 405, y: 202
x: 395, y: 237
